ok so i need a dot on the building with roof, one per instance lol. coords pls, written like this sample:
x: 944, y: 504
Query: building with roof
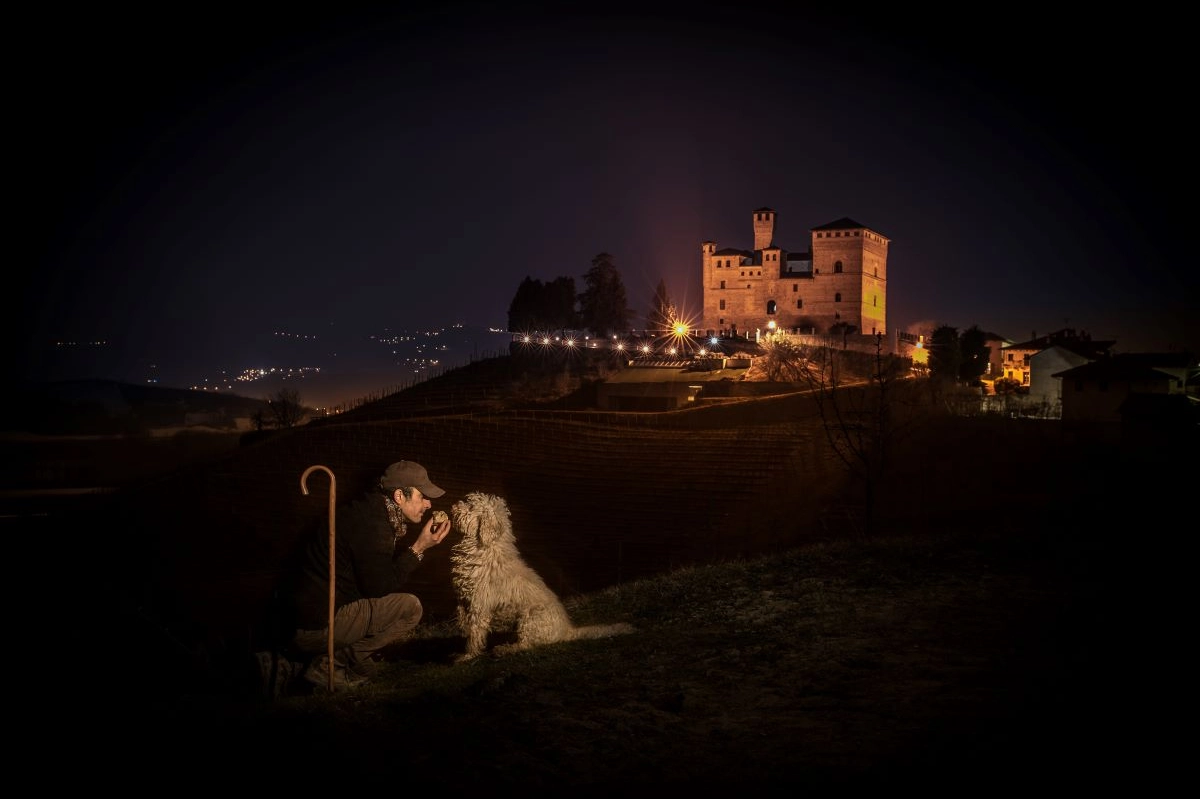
x: 1108, y: 390
x: 837, y: 285
x: 1074, y: 347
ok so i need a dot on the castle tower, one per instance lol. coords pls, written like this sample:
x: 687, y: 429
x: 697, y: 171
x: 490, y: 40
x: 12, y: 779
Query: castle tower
x: 764, y: 228
x: 850, y: 275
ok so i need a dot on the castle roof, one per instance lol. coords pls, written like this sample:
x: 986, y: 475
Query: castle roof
x: 840, y: 224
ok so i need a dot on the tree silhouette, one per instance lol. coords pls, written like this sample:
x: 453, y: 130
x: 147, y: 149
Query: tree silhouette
x: 285, y: 407
x: 973, y: 354
x: 603, y: 305
x: 524, y: 311
x: 843, y: 329
x: 663, y: 313
x: 865, y: 407
x: 543, y: 306
x: 945, y: 354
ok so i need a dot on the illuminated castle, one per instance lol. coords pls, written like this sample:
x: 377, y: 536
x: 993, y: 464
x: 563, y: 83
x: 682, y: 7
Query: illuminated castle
x: 839, y: 285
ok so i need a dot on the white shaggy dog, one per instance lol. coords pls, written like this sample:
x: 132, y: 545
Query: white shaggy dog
x: 496, y: 588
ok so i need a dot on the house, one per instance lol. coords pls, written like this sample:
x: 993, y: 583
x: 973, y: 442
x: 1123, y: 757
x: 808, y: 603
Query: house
x: 1113, y: 390
x: 1016, y: 359
x: 1044, y: 389
x: 995, y: 344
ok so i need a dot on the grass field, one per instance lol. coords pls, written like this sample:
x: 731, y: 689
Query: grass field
x: 970, y: 644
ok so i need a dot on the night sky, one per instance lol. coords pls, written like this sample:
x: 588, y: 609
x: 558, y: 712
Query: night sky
x: 193, y: 183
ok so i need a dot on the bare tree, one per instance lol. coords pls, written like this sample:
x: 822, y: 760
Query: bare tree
x: 285, y: 407
x: 864, y: 408
x: 662, y: 311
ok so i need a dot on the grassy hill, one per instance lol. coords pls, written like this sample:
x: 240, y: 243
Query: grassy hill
x: 777, y: 647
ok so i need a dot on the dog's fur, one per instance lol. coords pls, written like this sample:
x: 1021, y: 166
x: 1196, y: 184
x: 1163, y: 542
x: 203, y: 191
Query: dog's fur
x: 496, y: 588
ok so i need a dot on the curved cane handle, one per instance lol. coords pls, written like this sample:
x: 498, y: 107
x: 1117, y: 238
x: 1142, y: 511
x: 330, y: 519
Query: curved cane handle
x: 332, y: 556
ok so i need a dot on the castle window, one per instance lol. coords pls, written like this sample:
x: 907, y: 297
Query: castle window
x: 856, y: 233
x: 795, y: 287
x: 722, y: 305
x: 743, y: 273
x: 799, y: 303
x: 770, y: 307
x: 722, y: 284
x: 837, y: 297
x: 875, y: 300
x: 837, y: 267
x: 758, y: 273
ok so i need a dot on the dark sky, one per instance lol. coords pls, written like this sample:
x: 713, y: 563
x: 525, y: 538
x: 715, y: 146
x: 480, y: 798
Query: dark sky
x: 192, y: 182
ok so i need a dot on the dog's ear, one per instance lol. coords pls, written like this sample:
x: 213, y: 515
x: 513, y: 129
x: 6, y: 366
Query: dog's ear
x: 487, y: 524
x: 495, y: 524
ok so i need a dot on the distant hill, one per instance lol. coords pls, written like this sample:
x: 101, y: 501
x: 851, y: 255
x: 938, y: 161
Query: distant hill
x: 100, y: 407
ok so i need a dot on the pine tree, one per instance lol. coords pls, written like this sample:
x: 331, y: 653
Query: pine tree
x: 604, y: 305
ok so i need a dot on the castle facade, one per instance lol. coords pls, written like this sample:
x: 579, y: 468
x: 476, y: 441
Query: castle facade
x: 837, y: 286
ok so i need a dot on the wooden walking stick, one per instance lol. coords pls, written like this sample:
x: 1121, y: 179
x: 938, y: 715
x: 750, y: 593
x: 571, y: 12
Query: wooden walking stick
x: 332, y: 556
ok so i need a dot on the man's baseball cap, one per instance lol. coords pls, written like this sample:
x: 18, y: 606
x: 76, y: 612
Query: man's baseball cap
x: 406, y: 474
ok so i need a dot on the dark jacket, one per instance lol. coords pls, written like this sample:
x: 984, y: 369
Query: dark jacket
x: 370, y: 562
